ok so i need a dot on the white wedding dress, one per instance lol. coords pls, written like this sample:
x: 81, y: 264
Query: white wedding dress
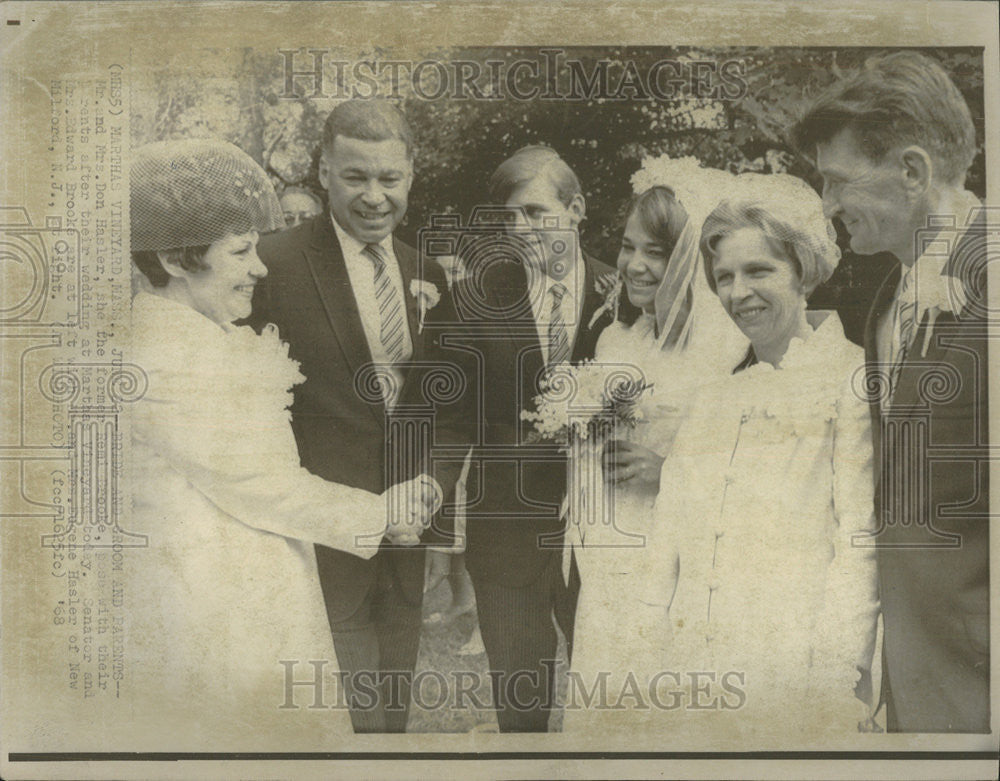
x: 610, y: 556
x: 227, y: 589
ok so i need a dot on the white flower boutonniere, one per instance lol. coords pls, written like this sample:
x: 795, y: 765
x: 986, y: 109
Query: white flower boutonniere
x: 937, y: 292
x: 427, y: 296
x: 937, y: 288
x: 610, y: 286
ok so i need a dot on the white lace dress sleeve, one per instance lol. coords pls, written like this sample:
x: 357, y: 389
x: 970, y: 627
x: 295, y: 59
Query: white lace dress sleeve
x: 846, y: 642
x: 217, y: 415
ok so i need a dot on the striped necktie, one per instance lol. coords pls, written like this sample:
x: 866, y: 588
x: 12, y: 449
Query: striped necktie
x: 558, y: 335
x: 389, y: 306
x: 906, y: 304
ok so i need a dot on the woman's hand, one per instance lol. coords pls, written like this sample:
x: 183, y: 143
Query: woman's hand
x: 632, y: 464
x: 411, y: 506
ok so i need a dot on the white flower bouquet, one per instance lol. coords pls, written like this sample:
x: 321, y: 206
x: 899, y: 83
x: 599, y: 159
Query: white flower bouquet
x: 586, y: 401
x: 582, y: 407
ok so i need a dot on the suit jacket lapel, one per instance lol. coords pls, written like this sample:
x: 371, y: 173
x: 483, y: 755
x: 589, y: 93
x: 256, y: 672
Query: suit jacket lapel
x: 878, y: 374
x: 583, y: 344
x: 524, y: 330
x: 937, y: 353
x: 329, y: 272
x: 508, y: 294
x: 944, y: 322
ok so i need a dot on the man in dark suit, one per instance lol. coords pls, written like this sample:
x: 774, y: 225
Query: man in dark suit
x: 343, y: 292
x: 521, y: 312
x: 893, y: 144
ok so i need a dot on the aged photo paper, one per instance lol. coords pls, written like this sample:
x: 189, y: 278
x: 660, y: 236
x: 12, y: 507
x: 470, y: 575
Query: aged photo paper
x: 499, y: 389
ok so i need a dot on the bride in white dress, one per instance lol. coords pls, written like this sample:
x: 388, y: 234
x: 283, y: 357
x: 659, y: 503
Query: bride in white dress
x: 681, y: 339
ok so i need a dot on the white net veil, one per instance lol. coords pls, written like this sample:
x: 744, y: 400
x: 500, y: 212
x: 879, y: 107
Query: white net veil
x: 192, y: 192
x: 704, y: 326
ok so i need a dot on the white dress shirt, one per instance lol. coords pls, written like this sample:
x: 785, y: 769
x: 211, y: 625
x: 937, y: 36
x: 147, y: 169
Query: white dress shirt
x: 540, y: 286
x: 361, y: 272
x: 887, y: 330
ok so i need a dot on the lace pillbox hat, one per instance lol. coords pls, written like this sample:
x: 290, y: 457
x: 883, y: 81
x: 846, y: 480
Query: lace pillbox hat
x: 192, y: 192
x: 796, y: 210
x: 783, y: 208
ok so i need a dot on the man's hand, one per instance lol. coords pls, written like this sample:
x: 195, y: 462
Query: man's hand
x: 411, y: 507
x: 627, y: 462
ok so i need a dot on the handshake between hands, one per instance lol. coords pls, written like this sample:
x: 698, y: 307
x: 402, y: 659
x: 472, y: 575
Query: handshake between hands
x: 411, y: 506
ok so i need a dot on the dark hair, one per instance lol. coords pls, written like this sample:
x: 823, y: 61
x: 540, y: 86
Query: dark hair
x: 904, y: 98
x: 188, y: 258
x: 663, y: 218
x: 528, y: 163
x: 661, y: 215
x: 367, y: 120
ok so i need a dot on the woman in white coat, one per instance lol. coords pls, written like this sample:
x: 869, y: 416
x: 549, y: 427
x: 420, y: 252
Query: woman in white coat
x: 764, y: 556
x: 226, y: 615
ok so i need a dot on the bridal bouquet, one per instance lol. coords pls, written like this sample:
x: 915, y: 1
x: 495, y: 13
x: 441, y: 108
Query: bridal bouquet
x: 581, y: 407
x: 586, y: 401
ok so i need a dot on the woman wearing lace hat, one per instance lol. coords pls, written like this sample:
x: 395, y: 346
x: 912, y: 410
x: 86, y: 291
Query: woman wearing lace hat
x: 224, y: 604
x: 753, y: 604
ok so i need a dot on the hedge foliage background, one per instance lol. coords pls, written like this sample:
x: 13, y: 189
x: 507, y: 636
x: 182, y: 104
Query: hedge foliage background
x: 241, y: 96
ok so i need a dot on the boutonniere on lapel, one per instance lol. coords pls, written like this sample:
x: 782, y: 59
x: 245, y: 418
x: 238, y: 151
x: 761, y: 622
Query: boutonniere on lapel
x: 937, y: 292
x: 610, y: 286
x: 427, y: 296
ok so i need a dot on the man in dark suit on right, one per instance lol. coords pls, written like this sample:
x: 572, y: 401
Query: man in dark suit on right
x: 893, y: 143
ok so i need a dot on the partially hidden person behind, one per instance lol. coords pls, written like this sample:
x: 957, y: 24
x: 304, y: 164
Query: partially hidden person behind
x: 299, y: 204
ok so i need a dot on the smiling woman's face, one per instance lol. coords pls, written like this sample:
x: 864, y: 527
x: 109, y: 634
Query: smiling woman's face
x: 224, y: 290
x: 760, y: 289
x: 642, y: 262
